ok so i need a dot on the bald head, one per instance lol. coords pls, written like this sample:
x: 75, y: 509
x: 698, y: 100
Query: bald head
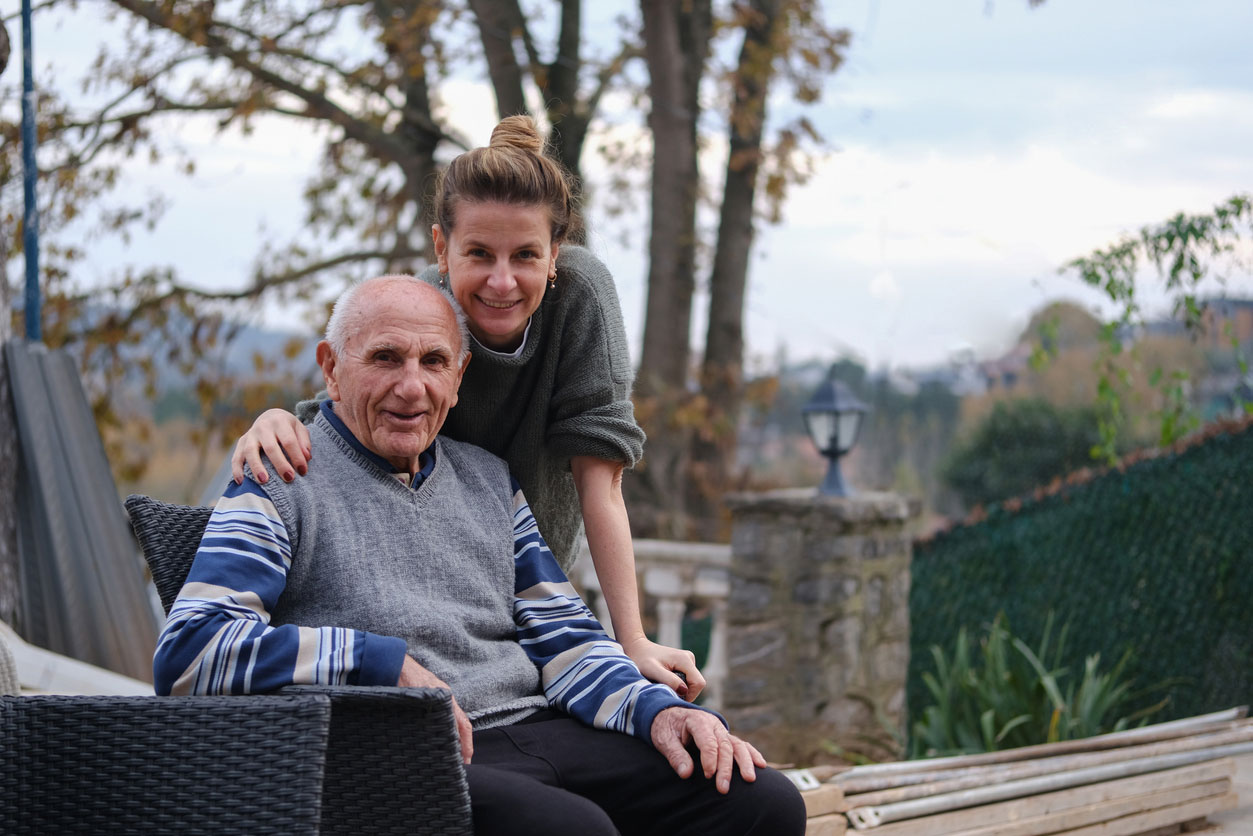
x: 347, y: 315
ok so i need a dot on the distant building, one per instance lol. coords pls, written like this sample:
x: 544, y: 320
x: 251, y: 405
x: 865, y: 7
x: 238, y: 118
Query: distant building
x: 963, y: 375
x: 1226, y: 320
x: 1007, y: 370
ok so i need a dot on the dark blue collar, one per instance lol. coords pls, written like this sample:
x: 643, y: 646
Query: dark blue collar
x: 426, y: 459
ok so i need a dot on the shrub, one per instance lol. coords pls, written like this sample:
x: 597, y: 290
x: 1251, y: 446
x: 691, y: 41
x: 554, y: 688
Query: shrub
x: 1021, y: 445
x: 1004, y: 694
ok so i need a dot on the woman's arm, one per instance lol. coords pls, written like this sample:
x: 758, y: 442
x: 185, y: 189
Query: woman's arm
x: 282, y: 438
x: 599, y: 484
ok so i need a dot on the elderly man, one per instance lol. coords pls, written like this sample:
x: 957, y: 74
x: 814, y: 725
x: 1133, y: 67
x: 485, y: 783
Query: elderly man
x: 408, y: 559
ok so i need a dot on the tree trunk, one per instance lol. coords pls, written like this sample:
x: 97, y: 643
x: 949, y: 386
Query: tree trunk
x: 560, y: 86
x: 500, y: 23
x: 568, y: 113
x: 5, y: 46
x: 676, y: 43
x: 496, y: 30
x: 675, y: 181
x: 419, y: 131
x: 723, y: 366
x: 8, y: 429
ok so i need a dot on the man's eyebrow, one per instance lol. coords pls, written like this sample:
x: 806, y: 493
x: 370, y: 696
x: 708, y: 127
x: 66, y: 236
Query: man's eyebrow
x: 394, y: 348
x: 381, y: 347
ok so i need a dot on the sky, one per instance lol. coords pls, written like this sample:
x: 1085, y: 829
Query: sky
x: 974, y: 147
x: 981, y: 147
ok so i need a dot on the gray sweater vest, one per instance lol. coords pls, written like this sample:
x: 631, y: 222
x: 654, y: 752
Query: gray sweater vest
x: 432, y: 566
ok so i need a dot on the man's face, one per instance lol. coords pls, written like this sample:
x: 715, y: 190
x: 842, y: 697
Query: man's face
x: 398, y: 374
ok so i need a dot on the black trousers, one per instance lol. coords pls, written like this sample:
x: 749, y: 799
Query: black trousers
x: 551, y: 775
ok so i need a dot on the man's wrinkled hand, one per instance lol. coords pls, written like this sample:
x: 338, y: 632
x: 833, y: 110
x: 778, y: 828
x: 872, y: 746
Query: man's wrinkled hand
x: 674, y: 728
x: 413, y: 675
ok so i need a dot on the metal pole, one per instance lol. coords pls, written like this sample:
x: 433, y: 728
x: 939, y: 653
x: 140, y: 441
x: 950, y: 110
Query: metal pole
x: 833, y: 484
x: 1143, y: 734
x: 960, y: 779
x: 868, y: 817
x: 30, y: 220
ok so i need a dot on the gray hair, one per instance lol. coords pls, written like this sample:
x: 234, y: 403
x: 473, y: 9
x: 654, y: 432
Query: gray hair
x: 346, y: 315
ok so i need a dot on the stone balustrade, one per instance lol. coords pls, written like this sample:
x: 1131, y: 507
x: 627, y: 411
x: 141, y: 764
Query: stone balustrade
x: 676, y: 577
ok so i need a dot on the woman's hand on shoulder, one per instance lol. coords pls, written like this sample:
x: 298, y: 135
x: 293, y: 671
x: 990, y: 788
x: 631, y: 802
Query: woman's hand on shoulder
x: 665, y: 664
x: 280, y: 436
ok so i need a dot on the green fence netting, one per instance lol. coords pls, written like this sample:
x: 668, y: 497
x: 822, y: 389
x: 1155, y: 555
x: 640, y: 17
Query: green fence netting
x: 1156, y: 557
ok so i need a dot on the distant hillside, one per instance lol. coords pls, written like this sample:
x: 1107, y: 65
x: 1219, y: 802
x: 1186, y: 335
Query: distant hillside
x: 238, y: 357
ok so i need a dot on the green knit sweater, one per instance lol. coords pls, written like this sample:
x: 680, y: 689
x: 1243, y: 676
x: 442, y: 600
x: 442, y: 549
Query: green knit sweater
x: 566, y: 393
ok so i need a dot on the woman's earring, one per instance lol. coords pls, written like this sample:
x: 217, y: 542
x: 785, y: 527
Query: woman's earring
x: 443, y: 280
x: 552, y: 282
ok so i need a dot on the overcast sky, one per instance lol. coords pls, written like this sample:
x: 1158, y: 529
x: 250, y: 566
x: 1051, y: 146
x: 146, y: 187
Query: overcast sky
x: 975, y: 147
x: 981, y: 146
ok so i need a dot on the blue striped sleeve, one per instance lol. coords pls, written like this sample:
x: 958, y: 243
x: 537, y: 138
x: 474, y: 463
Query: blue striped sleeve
x: 218, y: 639
x: 583, y: 671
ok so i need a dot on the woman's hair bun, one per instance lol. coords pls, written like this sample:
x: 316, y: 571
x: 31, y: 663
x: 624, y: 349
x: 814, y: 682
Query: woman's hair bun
x: 518, y: 132
x: 512, y: 169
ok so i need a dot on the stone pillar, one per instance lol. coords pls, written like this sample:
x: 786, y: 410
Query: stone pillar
x: 818, y: 623
x: 715, y: 586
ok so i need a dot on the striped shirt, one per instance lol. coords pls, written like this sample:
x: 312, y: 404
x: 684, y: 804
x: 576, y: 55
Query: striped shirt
x: 218, y: 638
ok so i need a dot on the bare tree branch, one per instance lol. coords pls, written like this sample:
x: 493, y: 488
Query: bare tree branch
x: 400, y: 253
x: 262, y: 282
x: 318, y: 104
x: 608, y: 74
x: 39, y: 7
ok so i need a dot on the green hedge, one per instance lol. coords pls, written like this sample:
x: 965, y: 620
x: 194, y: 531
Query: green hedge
x: 1157, y: 557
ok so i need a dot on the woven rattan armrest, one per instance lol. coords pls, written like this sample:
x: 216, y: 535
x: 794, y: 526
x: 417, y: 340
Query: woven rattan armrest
x: 394, y: 762
x: 160, y: 765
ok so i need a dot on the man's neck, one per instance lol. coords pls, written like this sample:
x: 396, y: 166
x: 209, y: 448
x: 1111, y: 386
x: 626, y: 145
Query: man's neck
x: 415, y: 471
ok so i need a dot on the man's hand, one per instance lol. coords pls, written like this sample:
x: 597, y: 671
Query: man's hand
x: 279, y: 435
x: 675, y: 727
x: 413, y: 675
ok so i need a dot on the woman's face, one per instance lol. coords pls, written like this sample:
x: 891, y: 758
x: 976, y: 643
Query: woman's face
x: 499, y: 259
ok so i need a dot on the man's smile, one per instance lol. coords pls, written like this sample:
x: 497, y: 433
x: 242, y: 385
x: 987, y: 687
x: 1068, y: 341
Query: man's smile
x: 404, y: 416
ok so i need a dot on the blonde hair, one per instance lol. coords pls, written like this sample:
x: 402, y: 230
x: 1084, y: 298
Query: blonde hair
x: 511, y: 169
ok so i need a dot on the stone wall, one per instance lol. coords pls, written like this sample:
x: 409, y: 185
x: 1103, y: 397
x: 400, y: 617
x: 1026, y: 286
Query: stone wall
x: 818, y: 622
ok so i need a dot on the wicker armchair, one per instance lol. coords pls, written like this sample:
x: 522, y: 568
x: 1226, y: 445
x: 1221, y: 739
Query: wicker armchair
x: 153, y: 765
x: 393, y: 762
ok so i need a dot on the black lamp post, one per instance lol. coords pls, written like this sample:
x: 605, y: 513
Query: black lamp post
x: 833, y: 418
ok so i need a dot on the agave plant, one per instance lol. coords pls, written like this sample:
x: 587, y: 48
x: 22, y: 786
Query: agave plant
x: 1008, y: 694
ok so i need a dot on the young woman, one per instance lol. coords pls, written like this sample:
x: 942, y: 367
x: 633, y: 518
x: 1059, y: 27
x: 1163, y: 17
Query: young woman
x: 548, y: 385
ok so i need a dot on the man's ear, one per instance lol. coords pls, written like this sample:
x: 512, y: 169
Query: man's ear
x: 326, y: 359
x: 441, y: 247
